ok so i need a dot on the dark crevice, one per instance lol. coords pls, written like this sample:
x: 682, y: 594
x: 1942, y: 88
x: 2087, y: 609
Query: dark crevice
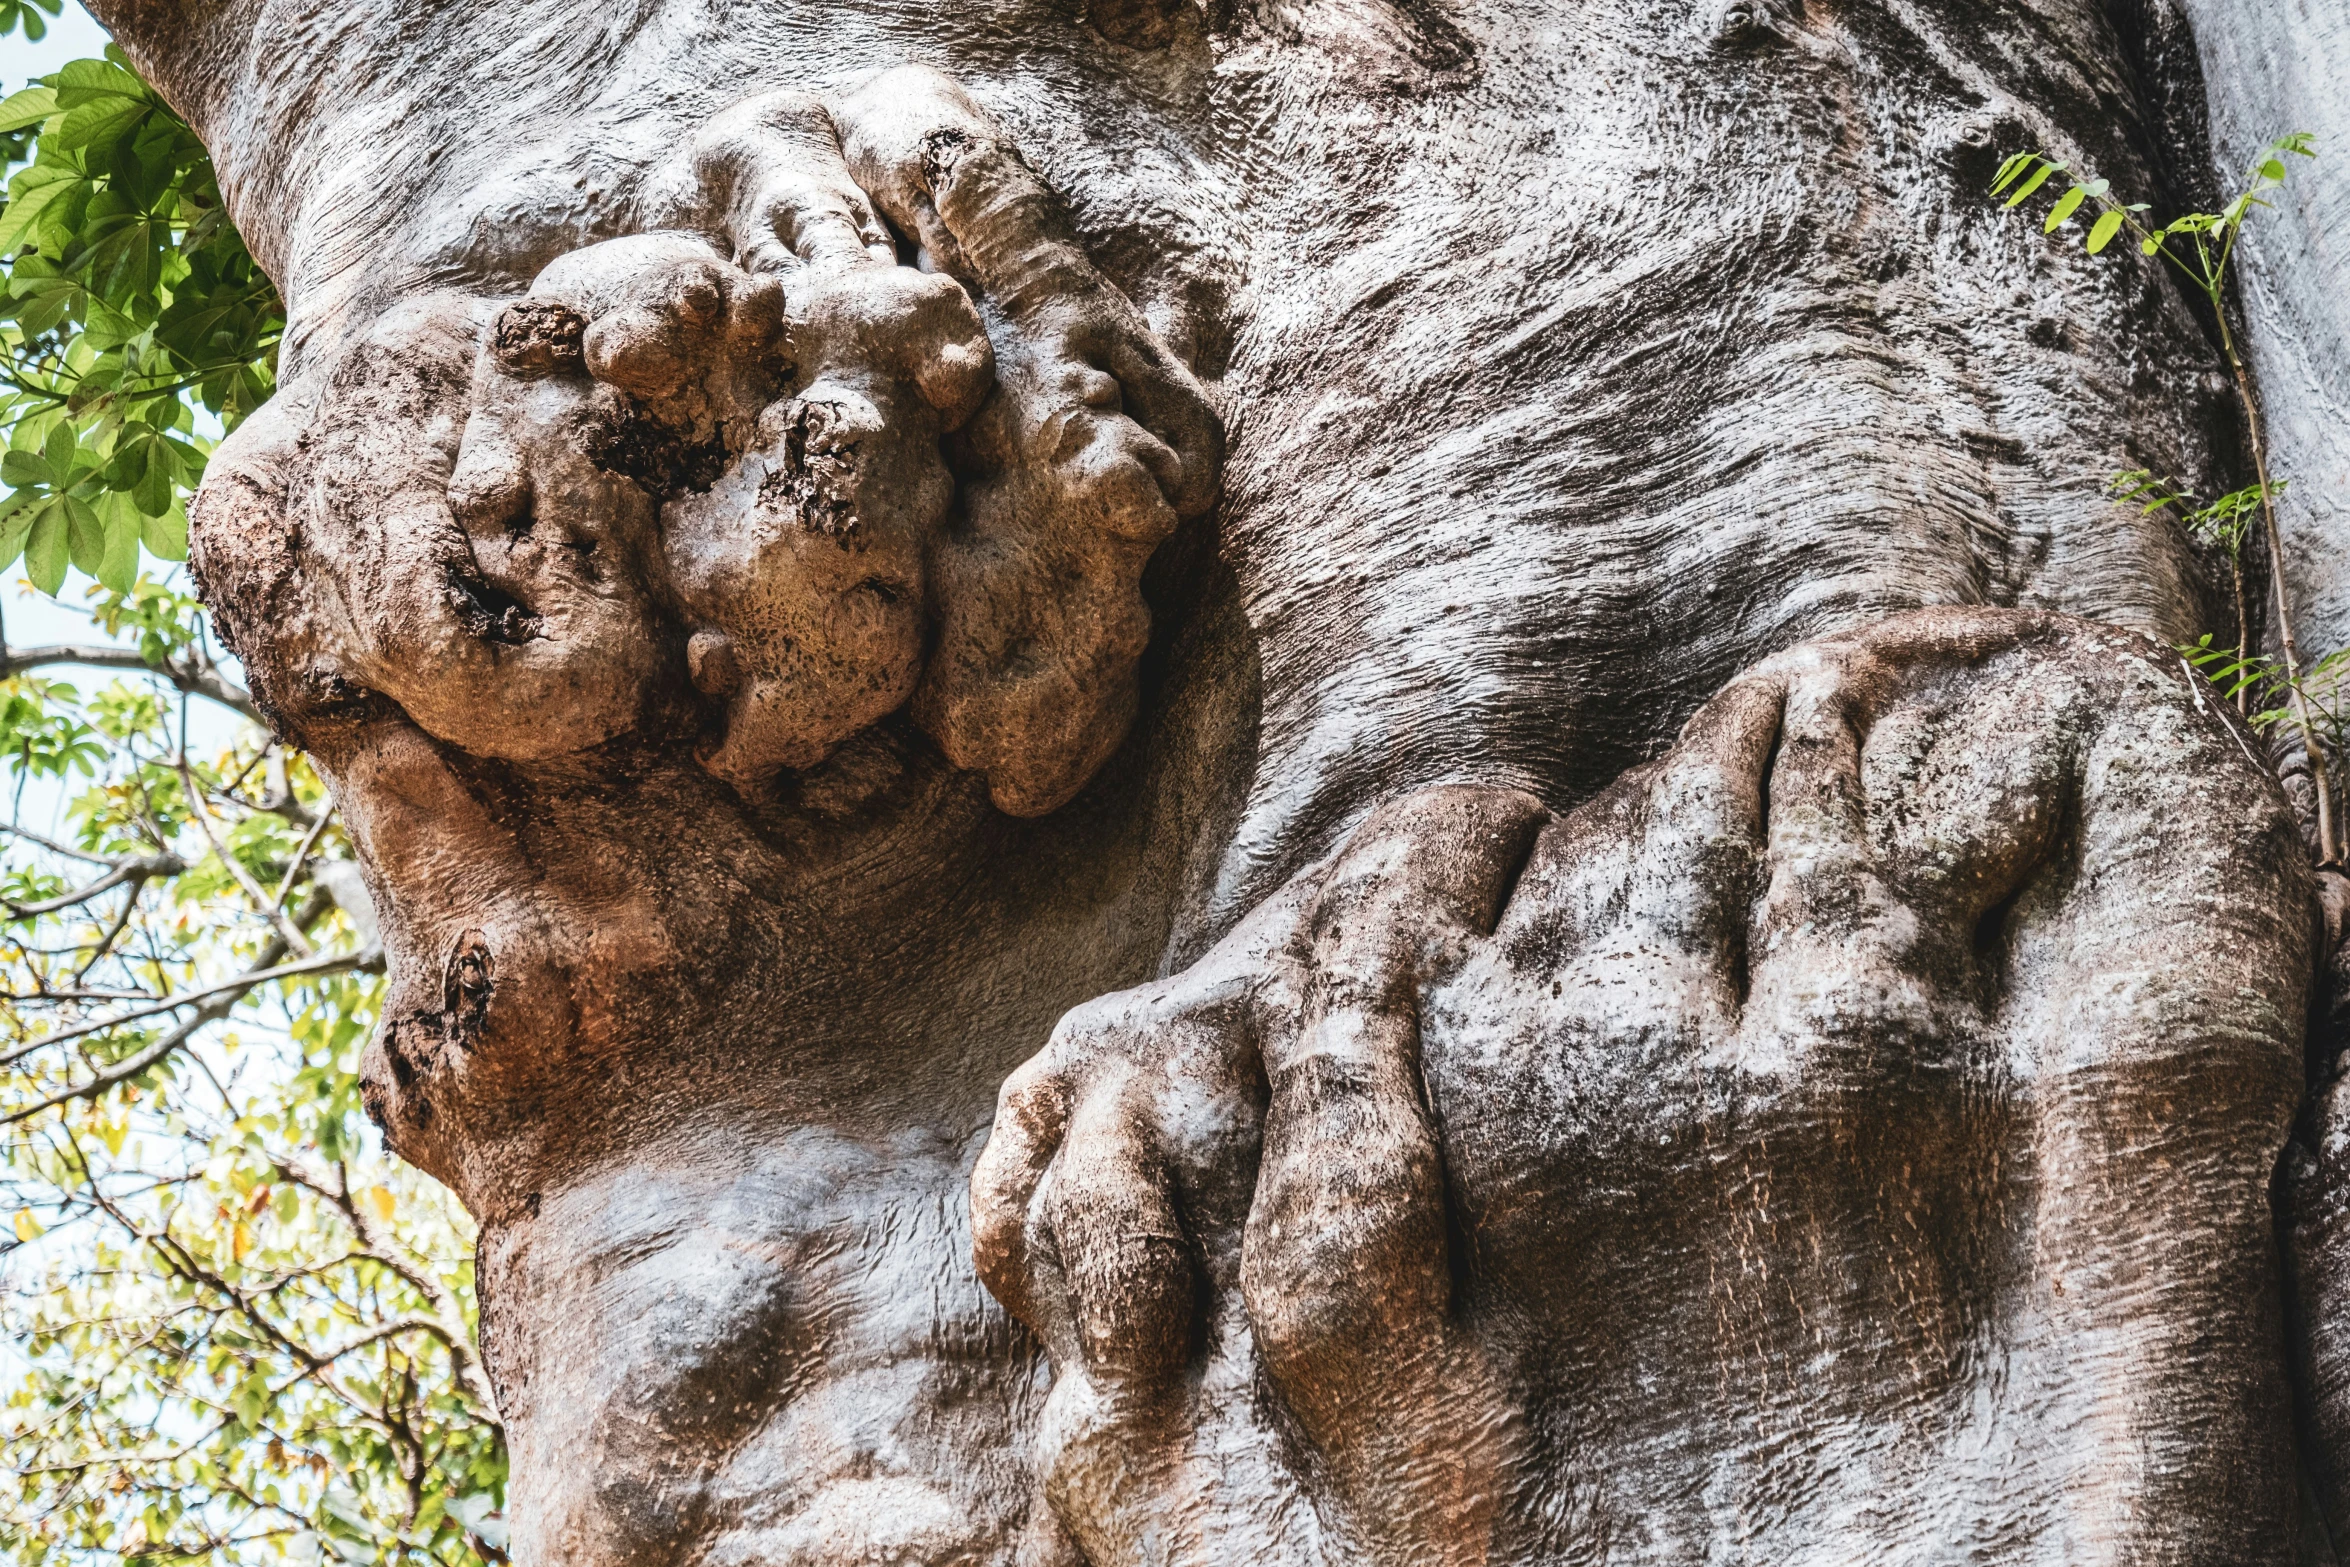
x: 624, y: 438
x: 2173, y: 134
x: 489, y: 612
x: 1437, y: 42
x: 1521, y: 855
x: 1738, y: 934
x: 1990, y: 935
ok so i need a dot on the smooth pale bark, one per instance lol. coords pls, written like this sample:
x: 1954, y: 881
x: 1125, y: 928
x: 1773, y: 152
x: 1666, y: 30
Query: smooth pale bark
x: 815, y: 540
x: 2273, y: 69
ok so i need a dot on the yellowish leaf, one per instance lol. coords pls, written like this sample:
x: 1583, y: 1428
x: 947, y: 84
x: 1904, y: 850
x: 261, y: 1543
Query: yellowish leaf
x: 28, y: 1228
x: 380, y: 1199
x: 241, y: 1241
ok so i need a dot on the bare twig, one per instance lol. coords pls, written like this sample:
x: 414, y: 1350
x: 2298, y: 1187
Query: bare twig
x: 200, y: 808
x: 302, y: 857
x: 106, y: 942
x: 54, y: 847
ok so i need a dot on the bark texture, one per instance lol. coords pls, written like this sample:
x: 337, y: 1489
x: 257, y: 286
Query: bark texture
x: 1532, y: 573
x: 2273, y: 69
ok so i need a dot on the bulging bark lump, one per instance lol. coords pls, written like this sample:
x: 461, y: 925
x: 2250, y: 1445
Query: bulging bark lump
x: 660, y: 438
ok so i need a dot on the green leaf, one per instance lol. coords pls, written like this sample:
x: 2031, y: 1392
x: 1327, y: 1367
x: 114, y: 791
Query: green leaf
x: 44, y: 549
x: 60, y: 450
x: 2009, y: 170
x: 98, y: 124
x: 153, y: 491
x: 2101, y: 233
x: 22, y: 468
x: 12, y: 535
x: 30, y: 195
x: 86, y: 81
x: 118, y: 564
x: 85, y: 536
x: 2039, y: 178
x: 21, y: 110
x: 166, y: 537
x: 2272, y: 169
x: 2066, y: 205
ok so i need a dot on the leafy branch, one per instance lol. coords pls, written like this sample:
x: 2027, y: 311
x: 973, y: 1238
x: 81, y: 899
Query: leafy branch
x: 2200, y: 246
x: 127, y: 292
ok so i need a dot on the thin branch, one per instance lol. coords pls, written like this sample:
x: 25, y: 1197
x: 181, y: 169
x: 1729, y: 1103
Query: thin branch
x: 194, y: 679
x: 200, y: 808
x: 386, y: 1250
x: 301, y: 858
x: 325, y: 963
x: 134, y: 870
x: 224, y: 1000
x: 106, y: 942
x: 53, y: 847
x: 78, y: 993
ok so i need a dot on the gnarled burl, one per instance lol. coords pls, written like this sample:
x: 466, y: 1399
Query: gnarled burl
x: 1501, y: 610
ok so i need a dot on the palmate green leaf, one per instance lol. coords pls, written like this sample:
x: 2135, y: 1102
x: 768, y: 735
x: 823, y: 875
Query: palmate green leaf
x: 135, y: 275
x: 96, y: 123
x: 26, y: 14
x: 121, y: 253
x: 44, y: 546
x: 85, y: 535
x: 106, y: 327
x: 14, y: 524
x: 153, y: 493
x: 44, y: 303
x: 166, y: 537
x: 119, y: 521
x: 26, y: 468
x: 85, y: 81
x: 2101, y: 232
x: 61, y: 451
x: 30, y: 194
x: 22, y: 110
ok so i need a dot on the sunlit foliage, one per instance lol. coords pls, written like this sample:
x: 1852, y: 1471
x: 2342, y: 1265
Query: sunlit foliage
x: 240, y: 1331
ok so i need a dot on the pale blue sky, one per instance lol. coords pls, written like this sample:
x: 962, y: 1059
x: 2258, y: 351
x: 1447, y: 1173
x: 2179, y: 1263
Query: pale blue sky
x: 72, y: 36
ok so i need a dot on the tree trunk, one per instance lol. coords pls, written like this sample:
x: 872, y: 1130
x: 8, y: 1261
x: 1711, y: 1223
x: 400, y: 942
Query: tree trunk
x: 2274, y: 70
x: 1533, y: 575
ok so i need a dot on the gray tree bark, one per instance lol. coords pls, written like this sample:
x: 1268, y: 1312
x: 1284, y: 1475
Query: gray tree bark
x: 1504, y: 611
